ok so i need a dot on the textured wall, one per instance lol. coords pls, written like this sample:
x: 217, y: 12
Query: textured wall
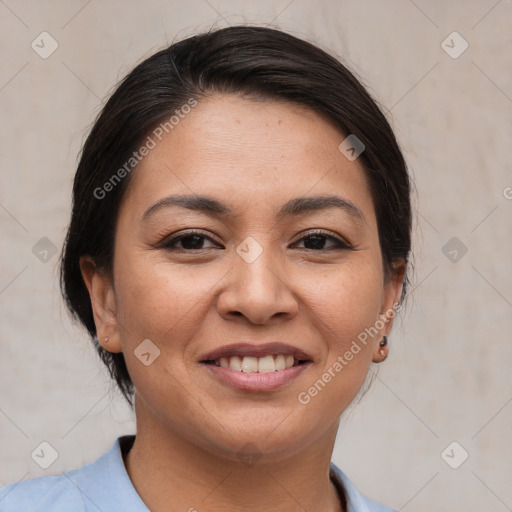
x: 448, y: 377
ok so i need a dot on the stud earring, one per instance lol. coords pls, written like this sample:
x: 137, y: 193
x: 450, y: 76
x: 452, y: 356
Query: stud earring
x: 106, y: 339
x: 382, y: 350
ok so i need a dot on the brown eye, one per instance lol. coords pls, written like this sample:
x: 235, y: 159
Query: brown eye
x: 190, y: 241
x: 316, y: 241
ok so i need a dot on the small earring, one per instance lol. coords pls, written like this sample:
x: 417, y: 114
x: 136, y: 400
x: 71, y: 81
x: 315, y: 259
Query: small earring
x: 105, y: 339
x: 382, y: 350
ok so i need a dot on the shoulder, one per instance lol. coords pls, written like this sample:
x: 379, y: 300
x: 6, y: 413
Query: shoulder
x: 78, y: 490
x: 375, y: 506
x: 56, y: 493
x: 356, y: 502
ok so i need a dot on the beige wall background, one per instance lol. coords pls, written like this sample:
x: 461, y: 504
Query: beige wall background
x: 448, y: 377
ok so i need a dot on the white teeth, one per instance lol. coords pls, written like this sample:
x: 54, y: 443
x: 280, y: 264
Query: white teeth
x: 235, y: 363
x: 280, y: 362
x: 266, y: 364
x: 249, y: 364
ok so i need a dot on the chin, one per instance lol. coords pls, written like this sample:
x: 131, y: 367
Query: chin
x: 270, y: 443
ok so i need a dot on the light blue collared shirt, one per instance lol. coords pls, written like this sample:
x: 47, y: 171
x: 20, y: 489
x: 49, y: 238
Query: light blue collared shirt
x: 104, y: 486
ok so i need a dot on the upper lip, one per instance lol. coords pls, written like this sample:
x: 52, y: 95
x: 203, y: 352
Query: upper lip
x: 256, y: 350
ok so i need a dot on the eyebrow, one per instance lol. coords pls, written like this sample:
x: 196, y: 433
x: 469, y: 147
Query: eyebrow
x: 294, y: 207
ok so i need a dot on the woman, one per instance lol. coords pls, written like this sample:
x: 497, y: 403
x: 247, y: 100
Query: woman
x: 237, y: 250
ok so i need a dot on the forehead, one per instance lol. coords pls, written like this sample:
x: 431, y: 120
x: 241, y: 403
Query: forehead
x: 248, y: 152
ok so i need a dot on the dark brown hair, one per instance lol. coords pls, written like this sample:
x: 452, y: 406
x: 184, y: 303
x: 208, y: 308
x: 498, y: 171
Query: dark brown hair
x: 255, y: 61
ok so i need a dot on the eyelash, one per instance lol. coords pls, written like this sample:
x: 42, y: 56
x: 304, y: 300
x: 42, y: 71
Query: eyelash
x: 168, y: 244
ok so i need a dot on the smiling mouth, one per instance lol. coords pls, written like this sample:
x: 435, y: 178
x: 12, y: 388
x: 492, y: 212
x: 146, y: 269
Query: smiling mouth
x: 249, y: 364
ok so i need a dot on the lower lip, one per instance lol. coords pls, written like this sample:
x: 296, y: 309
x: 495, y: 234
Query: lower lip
x: 256, y: 381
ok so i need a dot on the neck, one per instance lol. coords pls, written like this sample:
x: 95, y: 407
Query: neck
x: 165, y: 468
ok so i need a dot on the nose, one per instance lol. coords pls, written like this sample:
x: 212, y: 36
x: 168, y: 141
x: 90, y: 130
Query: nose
x: 258, y: 291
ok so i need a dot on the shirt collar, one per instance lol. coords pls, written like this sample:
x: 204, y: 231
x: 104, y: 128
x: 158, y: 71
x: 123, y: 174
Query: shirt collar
x: 354, y: 500
x: 110, y: 470
x: 115, y: 487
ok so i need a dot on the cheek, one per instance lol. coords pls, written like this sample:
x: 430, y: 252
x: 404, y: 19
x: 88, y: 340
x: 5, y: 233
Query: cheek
x: 158, y: 301
x: 344, y: 303
x: 161, y: 303
x: 348, y: 300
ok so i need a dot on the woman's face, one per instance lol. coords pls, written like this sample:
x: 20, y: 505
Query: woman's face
x: 267, y: 275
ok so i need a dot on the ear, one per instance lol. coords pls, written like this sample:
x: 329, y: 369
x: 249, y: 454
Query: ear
x: 393, y: 286
x: 103, y: 302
